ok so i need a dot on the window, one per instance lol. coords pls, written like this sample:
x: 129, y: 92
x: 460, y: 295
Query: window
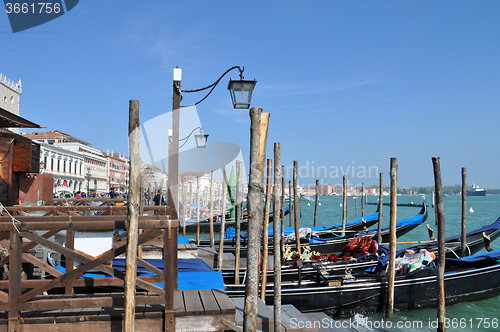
x: 51, y: 141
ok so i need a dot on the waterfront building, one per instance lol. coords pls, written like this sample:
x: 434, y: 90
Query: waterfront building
x: 117, y: 168
x: 94, y: 167
x: 66, y: 167
x: 155, y: 179
x: 10, y: 94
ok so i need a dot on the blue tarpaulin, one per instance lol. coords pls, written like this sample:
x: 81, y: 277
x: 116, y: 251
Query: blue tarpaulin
x: 191, y: 274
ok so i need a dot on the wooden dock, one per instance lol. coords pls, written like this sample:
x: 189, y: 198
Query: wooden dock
x: 195, y: 310
x: 73, y: 306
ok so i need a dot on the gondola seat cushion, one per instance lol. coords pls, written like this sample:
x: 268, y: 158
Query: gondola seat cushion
x: 360, y: 246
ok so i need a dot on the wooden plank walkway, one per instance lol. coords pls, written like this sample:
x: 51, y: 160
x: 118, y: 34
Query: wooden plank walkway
x: 196, y: 310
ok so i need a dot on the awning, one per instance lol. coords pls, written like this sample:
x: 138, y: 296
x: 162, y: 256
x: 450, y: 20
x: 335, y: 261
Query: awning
x: 8, y: 120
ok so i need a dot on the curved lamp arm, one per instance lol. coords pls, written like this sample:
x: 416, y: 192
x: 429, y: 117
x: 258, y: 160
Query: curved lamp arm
x: 191, y: 133
x: 213, y: 85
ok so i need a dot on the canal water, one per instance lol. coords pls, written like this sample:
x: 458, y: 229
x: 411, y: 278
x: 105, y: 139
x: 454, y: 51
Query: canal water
x: 470, y: 316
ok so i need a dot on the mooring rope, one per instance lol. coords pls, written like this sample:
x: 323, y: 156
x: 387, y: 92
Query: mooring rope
x: 14, y: 220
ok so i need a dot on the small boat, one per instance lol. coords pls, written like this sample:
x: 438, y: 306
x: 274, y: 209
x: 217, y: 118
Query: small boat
x: 474, y: 242
x: 337, y: 243
x: 476, y: 191
x: 466, y: 279
x: 340, y: 292
x: 398, y: 204
x: 191, y: 225
x: 360, y: 224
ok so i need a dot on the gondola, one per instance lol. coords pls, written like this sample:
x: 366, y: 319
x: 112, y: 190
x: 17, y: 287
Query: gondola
x: 360, y: 224
x: 466, y: 279
x: 336, y: 244
x: 398, y: 204
x: 474, y: 241
x: 191, y: 226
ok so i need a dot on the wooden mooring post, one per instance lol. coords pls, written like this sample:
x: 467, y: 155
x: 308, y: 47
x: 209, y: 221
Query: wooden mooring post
x: 392, y: 239
x: 356, y: 206
x: 265, y: 231
x: 362, y: 195
x: 282, y: 207
x: 316, y: 204
x: 134, y: 138
x: 198, y: 210
x: 238, y: 224
x: 211, y: 211
x: 296, y: 203
x: 441, y: 307
x: 290, y: 203
x: 276, y: 238
x: 464, y: 212
x: 15, y: 260
x: 190, y: 203
x: 380, y: 204
x: 255, y: 192
x: 344, y: 205
x: 223, y: 218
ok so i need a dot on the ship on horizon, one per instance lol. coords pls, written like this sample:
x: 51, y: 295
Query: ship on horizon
x: 476, y: 191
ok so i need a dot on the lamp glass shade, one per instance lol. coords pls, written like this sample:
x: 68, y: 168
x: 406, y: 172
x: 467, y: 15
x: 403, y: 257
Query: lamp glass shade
x: 241, y: 93
x: 201, y: 140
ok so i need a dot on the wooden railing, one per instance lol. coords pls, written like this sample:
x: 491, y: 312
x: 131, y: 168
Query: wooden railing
x: 21, y: 232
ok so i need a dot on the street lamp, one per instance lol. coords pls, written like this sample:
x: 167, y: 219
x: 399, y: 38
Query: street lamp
x: 241, y: 92
x: 88, y: 176
x: 42, y: 166
x: 200, y: 139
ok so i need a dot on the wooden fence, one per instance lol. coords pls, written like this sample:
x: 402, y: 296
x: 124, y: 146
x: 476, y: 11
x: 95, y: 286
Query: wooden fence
x: 20, y: 231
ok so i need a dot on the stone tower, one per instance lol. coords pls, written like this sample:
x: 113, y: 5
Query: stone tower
x: 10, y: 95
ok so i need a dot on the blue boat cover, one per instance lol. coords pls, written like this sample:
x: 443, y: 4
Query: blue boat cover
x: 492, y: 254
x: 464, y: 261
x: 192, y: 273
x: 183, y: 265
x: 416, y: 220
x: 231, y: 234
x: 198, y: 280
x: 182, y: 239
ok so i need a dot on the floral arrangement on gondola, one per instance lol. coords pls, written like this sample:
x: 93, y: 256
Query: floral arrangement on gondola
x: 356, y: 248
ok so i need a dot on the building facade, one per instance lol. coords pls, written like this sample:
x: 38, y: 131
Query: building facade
x: 118, y: 167
x: 67, y: 168
x: 95, y: 166
x: 10, y: 94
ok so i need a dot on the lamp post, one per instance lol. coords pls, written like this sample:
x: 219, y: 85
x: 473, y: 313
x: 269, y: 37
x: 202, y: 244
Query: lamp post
x: 200, y: 139
x: 241, y: 94
x: 88, y: 176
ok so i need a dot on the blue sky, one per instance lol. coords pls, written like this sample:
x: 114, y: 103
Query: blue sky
x: 348, y: 84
